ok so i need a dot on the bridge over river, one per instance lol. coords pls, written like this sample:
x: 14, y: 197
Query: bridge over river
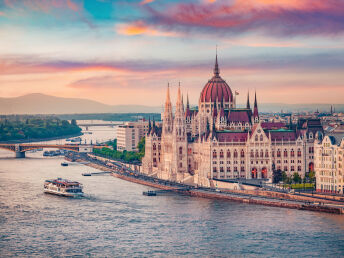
x: 20, y: 149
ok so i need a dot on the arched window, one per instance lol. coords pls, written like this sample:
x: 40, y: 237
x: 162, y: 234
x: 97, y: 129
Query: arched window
x: 292, y: 153
x: 257, y: 154
x: 214, y: 154
x: 278, y: 153
x: 252, y: 154
x: 299, y: 168
x: 261, y: 137
x: 266, y: 154
x: 228, y: 154
x: 221, y: 153
x: 285, y: 153
x: 299, y: 152
x: 256, y: 138
x: 154, y: 146
x: 242, y: 154
x: 180, y: 150
x: 235, y: 154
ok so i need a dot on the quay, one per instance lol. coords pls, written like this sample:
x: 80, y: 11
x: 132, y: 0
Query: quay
x: 258, y: 197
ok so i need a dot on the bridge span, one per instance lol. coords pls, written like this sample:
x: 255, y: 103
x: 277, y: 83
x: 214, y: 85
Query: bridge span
x: 20, y: 148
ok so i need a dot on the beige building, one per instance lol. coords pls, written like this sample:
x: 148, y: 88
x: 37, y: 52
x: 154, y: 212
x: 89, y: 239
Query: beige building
x: 329, y: 156
x: 127, y: 138
x: 141, y: 125
x: 220, y: 141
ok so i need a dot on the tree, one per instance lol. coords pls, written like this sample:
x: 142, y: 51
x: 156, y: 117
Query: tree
x: 277, y: 176
x: 296, y: 178
x: 73, y: 122
x: 311, y: 176
x: 284, y: 177
x: 141, y: 145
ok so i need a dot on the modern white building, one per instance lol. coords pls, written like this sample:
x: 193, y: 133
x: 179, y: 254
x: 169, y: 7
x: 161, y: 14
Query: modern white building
x: 127, y: 138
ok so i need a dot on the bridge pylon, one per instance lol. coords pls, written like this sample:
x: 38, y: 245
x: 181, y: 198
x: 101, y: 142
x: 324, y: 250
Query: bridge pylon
x: 20, y: 154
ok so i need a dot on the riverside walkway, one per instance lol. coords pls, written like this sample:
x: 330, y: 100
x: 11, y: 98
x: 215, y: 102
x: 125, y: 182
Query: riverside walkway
x: 127, y: 174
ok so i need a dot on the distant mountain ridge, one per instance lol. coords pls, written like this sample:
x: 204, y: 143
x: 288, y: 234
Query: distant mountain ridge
x: 37, y: 103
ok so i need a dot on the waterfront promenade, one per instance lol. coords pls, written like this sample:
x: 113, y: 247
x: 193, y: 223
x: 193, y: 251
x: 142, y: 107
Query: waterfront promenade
x: 260, y: 197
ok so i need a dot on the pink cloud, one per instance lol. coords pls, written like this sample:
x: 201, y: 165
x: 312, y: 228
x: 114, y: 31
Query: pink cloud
x: 143, y: 2
x: 45, y: 6
x: 282, y: 18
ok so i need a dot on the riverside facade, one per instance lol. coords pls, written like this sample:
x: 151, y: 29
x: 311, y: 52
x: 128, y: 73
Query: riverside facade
x: 218, y: 140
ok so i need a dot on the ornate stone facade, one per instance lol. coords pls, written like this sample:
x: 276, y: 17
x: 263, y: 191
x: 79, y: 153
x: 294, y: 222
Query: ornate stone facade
x: 217, y: 140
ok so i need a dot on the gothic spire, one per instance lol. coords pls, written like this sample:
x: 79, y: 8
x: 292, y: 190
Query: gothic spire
x: 216, y: 68
x: 149, y: 126
x: 168, y: 98
x: 248, y: 101
x: 187, y: 100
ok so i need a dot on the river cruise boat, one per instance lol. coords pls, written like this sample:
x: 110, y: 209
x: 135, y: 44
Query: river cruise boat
x: 63, y: 187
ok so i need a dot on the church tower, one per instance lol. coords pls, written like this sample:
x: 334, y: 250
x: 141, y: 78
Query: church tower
x: 255, y: 110
x: 166, y: 139
x: 168, y: 117
x: 179, y: 141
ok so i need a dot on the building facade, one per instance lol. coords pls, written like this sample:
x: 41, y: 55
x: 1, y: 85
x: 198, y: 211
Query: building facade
x: 127, y: 138
x: 329, y: 163
x: 218, y: 140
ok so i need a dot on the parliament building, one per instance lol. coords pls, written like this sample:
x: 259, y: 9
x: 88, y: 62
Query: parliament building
x: 217, y: 140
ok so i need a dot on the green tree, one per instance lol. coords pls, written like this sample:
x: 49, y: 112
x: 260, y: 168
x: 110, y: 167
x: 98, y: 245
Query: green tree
x: 277, y: 176
x: 296, y: 178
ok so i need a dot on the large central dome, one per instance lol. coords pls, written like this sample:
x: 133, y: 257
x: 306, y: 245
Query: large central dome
x: 216, y: 89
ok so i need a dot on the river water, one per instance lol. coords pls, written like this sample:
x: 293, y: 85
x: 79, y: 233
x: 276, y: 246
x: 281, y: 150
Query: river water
x: 115, y: 219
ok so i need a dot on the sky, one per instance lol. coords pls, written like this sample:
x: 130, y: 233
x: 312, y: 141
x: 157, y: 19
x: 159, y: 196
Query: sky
x: 126, y: 52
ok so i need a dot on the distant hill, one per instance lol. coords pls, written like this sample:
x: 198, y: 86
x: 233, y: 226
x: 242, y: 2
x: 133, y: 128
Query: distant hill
x: 37, y: 103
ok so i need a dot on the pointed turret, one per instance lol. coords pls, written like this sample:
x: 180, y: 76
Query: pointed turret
x: 255, y: 110
x: 168, y: 118
x: 216, y: 68
x: 179, y: 103
x: 149, y: 126
x: 187, y: 110
x: 248, y: 101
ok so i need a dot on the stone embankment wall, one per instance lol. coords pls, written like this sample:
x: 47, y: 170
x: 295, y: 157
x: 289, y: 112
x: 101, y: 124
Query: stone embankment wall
x: 223, y: 196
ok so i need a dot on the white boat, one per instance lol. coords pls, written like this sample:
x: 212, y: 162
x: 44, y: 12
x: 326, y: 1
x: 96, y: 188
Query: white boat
x: 63, y: 187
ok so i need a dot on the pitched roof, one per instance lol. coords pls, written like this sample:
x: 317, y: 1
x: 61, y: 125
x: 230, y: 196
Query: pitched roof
x: 231, y: 136
x: 272, y: 125
x: 281, y: 134
x: 239, y: 115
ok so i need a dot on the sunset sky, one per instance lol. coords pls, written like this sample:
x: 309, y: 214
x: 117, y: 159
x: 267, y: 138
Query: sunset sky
x: 125, y: 52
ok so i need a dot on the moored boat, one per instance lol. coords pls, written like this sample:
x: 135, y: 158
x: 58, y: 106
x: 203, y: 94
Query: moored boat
x: 63, y: 187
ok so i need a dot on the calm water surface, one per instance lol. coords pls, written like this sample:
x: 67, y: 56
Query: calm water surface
x: 115, y: 219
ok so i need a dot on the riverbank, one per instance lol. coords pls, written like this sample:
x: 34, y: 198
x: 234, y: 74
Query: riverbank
x: 43, y: 139
x: 273, y: 199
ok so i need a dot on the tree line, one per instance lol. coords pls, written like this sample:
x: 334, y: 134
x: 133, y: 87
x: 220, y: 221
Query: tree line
x: 132, y: 157
x: 35, y: 127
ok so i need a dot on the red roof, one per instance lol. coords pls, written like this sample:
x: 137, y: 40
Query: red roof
x: 285, y: 136
x: 239, y: 116
x: 272, y: 125
x: 216, y: 90
x: 232, y: 136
